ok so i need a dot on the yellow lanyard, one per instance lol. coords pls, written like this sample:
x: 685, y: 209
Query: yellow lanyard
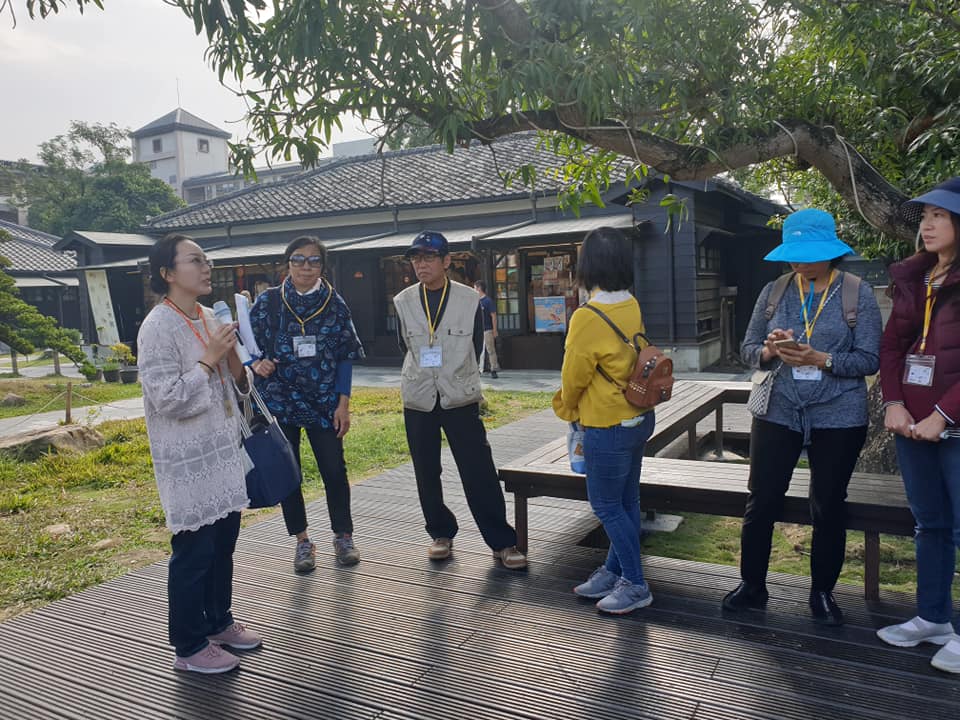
x: 303, y: 322
x: 809, y: 326
x: 928, y: 311
x: 432, y: 322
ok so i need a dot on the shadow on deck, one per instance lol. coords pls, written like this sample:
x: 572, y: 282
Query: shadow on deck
x: 400, y: 637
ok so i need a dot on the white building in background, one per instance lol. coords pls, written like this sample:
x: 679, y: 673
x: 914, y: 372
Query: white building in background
x: 180, y: 145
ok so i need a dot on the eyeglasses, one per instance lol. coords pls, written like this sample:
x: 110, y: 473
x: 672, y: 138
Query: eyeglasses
x: 199, y: 262
x: 423, y: 257
x: 314, y: 261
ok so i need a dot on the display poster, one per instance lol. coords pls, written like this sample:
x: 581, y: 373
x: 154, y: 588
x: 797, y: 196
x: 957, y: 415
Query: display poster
x: 550, y: 314
x: 104, y: 318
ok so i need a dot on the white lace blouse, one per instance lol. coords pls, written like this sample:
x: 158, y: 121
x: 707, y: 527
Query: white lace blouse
x: 194, y: 437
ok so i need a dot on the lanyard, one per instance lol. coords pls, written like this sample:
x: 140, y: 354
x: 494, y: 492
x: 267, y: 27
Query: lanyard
x: 928, y: 310
x: 190, y: 325
x: 808, y: 304
x: 432, y: 322
x: 304, y: 321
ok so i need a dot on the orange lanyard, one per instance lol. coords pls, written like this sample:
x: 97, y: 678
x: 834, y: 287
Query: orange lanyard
x: 190, y: 325
x: 928, y: 311
x: 303, y: 329
x: 432, y: 322
x: 809, y: 326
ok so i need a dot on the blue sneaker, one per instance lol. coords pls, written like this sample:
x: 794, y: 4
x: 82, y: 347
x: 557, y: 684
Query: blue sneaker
x: 626, y: 597
x: 598, y: 585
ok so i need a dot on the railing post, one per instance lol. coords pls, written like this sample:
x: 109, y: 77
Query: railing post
x: 69, y: 402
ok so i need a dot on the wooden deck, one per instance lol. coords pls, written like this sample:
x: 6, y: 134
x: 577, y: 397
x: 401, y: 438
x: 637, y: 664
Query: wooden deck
x: 399, y: 637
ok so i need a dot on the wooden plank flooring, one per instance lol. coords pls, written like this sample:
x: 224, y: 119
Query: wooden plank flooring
x: 399, y: 637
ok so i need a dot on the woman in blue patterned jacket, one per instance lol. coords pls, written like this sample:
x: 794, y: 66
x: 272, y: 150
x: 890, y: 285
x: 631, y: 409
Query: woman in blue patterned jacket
x: 309, y: 342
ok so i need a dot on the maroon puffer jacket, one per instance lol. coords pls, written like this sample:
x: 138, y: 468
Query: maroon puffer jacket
x: 902, y: 337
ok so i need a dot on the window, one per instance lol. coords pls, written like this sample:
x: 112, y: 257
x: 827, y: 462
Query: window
x: 708, y: 257
x: 172, y: 180
x: 203, y: 145
x: 195, y: 195
x: 550, y: 273
x: 507, y: 291
x: 158, y: 145
x: 228, y: 187
x: 223, y: 281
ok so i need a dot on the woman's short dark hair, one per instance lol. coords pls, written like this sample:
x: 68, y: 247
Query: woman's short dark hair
x: 303, y: 241
x: 162, y: 256
x: 606, y: 261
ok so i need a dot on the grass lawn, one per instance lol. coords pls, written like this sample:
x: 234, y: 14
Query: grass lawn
x: 38, y: 392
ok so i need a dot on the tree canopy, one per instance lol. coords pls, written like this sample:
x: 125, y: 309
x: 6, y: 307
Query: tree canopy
x: 86, y: 183
x: 847, y: 103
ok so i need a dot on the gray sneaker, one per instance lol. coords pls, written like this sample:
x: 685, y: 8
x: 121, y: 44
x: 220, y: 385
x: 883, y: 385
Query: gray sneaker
x: 346, y: 551
x: 626, y: 597
x: 598, y: 585
x: 305, y: 558
x: 915, y: 631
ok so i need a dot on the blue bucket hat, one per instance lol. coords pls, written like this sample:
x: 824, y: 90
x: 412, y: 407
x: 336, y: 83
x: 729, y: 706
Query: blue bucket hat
x: 428, y: 242
x: 809, y: 236
x: 945, y: 195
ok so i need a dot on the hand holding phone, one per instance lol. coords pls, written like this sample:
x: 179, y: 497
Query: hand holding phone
x: 787, y: 343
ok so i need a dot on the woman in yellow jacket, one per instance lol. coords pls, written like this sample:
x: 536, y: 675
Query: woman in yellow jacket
x: 615, y: 432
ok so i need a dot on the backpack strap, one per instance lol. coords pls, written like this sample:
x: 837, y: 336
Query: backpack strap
x: 850, y: 297
x: 780, y: 286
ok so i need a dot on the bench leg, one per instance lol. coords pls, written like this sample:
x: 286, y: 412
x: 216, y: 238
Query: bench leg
x: 692, y: 442
x: 520, y: 520
x: 718, y: 434
x: 871, y: 566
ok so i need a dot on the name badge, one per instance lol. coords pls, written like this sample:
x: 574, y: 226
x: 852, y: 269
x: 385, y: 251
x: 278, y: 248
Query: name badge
x: 919, y: 370
x: 807, y: 372
x: 431, y: 356
x: 305, y: 346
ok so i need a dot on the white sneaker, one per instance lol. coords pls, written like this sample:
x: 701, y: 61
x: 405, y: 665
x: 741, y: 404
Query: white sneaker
x: 915, y: 631
x: 948, y: 657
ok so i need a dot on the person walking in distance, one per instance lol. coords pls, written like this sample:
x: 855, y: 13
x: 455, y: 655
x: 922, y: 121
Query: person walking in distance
x: 489, y: 311
x: 440, y: 332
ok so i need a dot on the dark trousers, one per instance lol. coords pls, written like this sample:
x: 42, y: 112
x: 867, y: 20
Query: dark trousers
x: 471, y: 451
x: 328, y: 451
x: 200, y: 583
x: 774, y: 451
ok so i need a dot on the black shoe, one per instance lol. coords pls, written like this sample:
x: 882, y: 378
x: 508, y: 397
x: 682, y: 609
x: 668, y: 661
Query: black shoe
x: 825, y: 609
x: 746, y: 597
x: 493, y: 374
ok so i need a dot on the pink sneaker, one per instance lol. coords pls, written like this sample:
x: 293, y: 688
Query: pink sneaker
x: 238, y: 637
x: 211, y: 660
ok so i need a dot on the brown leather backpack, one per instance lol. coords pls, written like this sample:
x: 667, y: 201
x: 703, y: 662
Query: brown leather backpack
x: 651, y: 381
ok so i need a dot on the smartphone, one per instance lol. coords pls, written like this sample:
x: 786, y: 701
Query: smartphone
x: 788, y: 343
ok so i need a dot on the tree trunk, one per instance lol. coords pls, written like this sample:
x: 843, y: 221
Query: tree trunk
x: 879, y: 453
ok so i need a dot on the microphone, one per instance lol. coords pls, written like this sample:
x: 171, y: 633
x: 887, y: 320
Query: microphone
x: 222, y: 312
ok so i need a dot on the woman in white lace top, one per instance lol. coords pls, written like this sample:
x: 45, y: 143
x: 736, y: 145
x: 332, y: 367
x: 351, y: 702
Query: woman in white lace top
x: 190, y: 375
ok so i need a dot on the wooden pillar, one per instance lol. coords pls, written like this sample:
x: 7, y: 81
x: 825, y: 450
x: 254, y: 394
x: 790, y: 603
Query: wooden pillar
x: 871, y: 566
x: 718, y: 433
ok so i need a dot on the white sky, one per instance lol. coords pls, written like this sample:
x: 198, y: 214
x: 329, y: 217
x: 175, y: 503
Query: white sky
x: 118, y: 65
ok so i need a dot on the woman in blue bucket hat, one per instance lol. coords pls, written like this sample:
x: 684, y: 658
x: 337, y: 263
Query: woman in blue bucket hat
x: 814, y: 336
x: 920, y: 377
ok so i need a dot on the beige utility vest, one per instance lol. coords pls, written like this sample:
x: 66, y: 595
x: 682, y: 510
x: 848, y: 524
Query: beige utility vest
x: 457, y: 380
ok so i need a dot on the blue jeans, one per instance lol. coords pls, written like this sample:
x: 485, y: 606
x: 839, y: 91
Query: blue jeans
x: 931, y: 475
x: 613, y: 456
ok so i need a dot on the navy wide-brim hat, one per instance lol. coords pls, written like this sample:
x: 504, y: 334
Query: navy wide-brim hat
x: 809, y: 236
x: 428, y: 242
x: 945, y: 195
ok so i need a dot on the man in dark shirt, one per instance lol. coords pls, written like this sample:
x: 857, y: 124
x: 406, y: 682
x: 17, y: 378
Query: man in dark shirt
x: 489, y: 312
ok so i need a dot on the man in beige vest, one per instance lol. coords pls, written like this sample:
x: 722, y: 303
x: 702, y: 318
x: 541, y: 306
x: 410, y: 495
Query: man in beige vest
x: 440, y: 331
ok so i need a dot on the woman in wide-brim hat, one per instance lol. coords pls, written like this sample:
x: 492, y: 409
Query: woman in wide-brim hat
x: 920, y: 377
x: 801, y: 331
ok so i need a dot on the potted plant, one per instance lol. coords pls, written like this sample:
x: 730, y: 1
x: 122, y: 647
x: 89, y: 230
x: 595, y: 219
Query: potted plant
x: 111, y: 371
x: 91, y: 372
x: 121, y: 354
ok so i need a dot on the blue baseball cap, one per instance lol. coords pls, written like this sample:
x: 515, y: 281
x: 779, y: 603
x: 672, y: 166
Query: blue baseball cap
x: 945, y: 195
x: 809, y: 236
x: 428, y: 242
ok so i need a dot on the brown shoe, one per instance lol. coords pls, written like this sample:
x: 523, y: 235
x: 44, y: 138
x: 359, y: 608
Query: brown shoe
x: 440, y: 549
x: 511, y: 558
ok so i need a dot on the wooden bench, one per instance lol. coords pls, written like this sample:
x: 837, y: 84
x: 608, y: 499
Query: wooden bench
x: 875, y: 504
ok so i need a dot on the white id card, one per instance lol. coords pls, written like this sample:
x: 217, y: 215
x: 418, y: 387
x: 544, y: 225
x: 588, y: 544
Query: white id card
x: 305, y: 346
x: 431, y: 356
x: 807, y: 372
x: 919, y: 370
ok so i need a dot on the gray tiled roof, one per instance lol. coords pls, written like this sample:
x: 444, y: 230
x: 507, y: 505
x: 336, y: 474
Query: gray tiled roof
x: 32, y: 250
x: 179, y: 119
x: 421, y: 176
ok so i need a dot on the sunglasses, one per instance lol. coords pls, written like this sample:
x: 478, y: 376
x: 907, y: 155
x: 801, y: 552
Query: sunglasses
x: 314, y: 261
x: 423, y: 257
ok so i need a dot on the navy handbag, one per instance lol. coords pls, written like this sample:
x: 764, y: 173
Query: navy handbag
x: 275, y: 472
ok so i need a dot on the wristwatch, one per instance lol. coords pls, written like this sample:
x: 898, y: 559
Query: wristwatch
x: 828, y: 363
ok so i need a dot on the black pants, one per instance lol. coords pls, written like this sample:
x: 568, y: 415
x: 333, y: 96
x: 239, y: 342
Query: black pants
x: 774, y: 451
x: 471, y: 451
x: 328, y: 450
x: 200, y: 583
